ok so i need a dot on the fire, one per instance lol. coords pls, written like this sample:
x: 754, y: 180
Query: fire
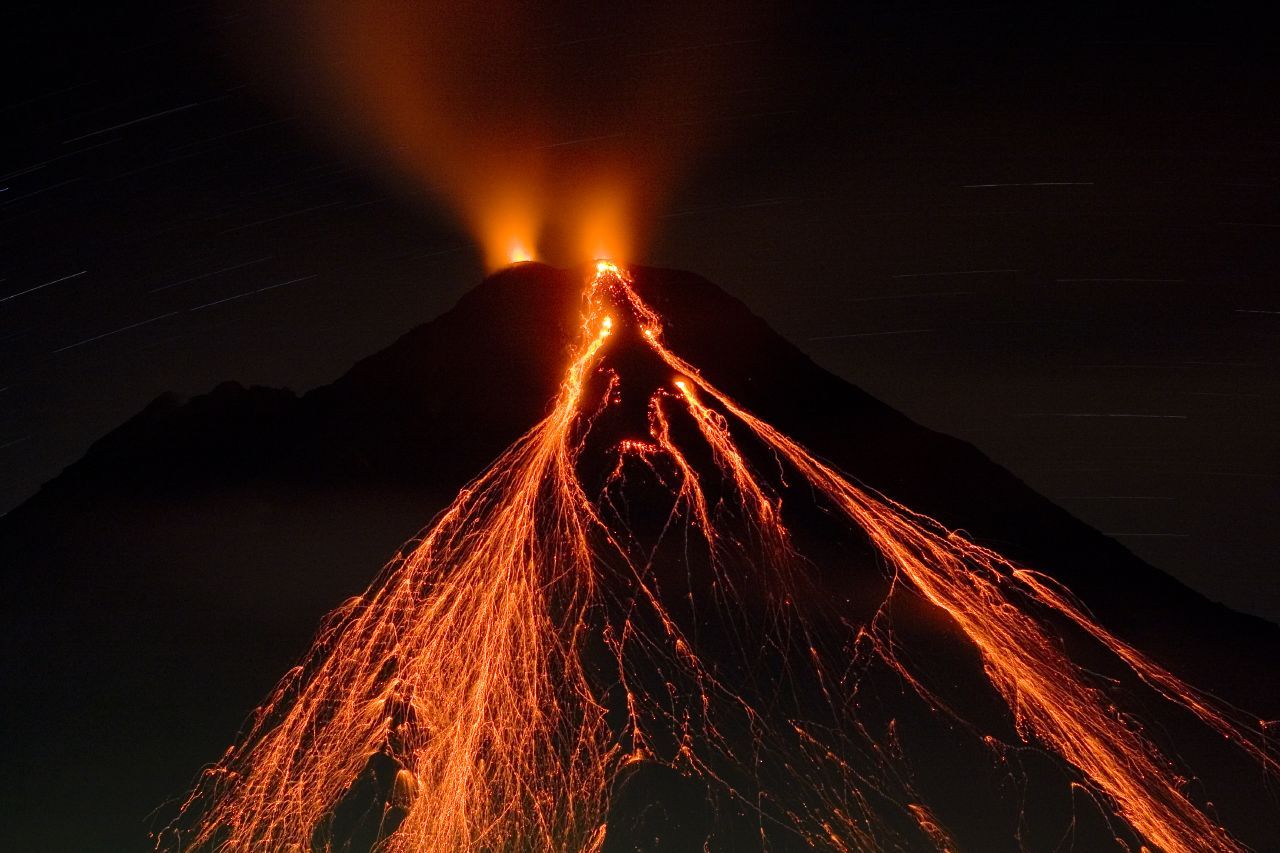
x: 465, y: 665
x: 508, y: 229
x: 519, y: 254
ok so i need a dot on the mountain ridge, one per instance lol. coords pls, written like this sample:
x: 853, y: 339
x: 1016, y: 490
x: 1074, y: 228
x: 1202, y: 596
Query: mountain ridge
x: 229, y: 409
x: 243, y: 498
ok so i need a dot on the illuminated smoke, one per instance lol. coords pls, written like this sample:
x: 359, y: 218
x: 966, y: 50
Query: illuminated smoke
x: 551, y: 131
x: 465, y: 666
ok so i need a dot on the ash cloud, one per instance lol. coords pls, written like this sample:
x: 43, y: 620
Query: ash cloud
x: 551, y: 130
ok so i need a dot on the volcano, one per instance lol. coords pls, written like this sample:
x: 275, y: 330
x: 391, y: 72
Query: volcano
x: 822, y: 695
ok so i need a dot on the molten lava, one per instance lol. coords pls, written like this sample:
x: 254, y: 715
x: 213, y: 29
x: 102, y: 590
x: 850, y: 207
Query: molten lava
x: 492, y: 669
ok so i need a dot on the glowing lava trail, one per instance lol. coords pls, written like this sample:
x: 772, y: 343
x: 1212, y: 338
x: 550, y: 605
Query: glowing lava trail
x: 472, y: 668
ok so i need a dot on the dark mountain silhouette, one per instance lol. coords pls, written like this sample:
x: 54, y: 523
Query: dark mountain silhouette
x: 158, y: 588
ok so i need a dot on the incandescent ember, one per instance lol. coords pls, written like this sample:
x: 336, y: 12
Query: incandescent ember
x: 515, y: 663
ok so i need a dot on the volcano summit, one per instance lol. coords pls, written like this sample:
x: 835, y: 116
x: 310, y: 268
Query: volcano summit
x: 708, y: 597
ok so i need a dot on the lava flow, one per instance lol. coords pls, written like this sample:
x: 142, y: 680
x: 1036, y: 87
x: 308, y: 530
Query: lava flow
x: 501, y: 677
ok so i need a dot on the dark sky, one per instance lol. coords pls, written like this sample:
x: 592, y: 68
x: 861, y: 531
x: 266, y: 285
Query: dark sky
x: 1052, y: 230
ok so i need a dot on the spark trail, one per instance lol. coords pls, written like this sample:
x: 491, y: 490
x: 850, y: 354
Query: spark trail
x: 473, y: 664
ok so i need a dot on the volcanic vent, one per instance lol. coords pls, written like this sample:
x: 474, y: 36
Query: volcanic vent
x: 657, y: 620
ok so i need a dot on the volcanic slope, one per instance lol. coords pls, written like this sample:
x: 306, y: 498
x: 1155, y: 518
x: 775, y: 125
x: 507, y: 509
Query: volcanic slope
x: 160, y: 586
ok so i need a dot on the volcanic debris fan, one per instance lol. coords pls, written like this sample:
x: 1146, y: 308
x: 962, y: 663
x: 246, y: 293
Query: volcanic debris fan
x: 513, y: 663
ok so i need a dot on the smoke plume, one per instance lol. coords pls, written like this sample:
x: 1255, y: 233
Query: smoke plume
x: 551, y: 130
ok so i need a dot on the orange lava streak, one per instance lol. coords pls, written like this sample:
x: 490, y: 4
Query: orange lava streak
x: 459, y: 668
x: 1051, y: 697
x: 763, y: 510
x: 690, y: 492
x: 463, y: 665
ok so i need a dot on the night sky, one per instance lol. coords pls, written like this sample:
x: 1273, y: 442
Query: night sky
x: 1048, y: 229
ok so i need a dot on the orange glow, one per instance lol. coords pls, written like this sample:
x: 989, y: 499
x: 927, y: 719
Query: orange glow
x: 519, y: 254
x: 484, y: 113
x: 508, y: 231
x: 464, y: 662
x: 604, y: 225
